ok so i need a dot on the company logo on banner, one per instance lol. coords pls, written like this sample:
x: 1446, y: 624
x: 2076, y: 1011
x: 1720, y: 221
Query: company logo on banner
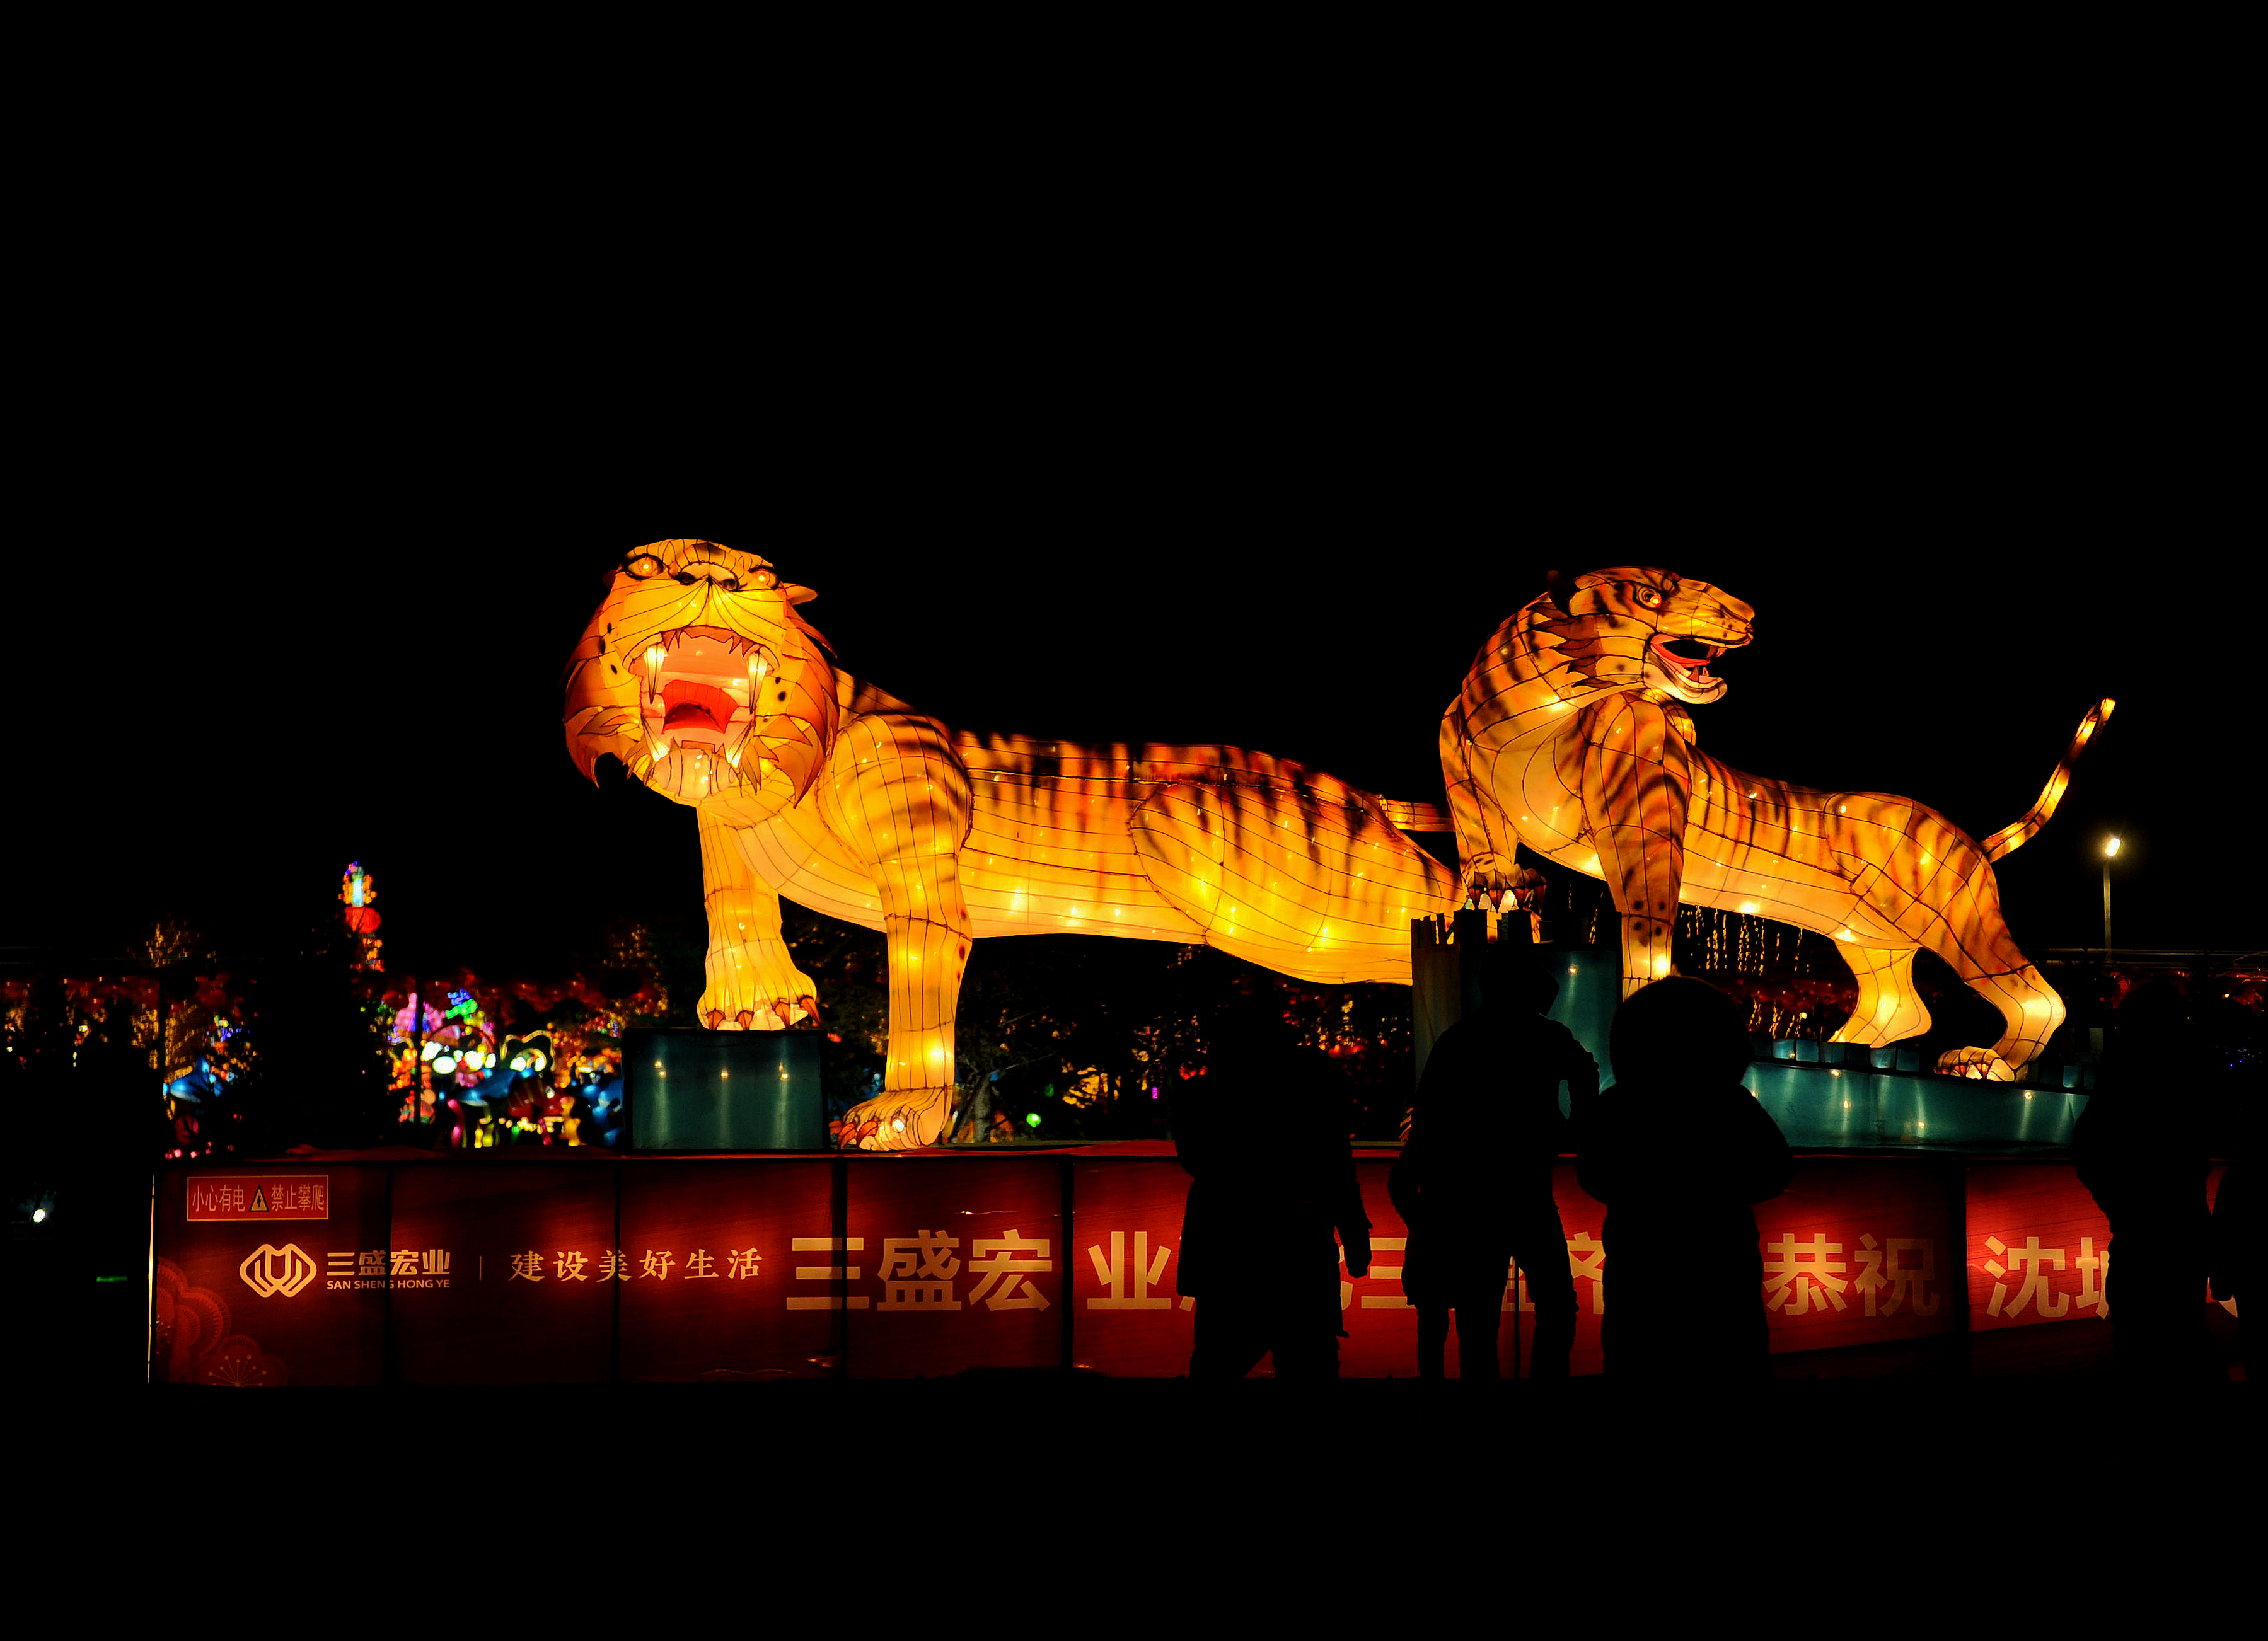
x: 269, y: 1271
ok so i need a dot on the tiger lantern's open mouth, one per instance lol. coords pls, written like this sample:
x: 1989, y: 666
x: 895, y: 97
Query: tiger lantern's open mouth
x: 1680, y: 667
x: 705, y: 686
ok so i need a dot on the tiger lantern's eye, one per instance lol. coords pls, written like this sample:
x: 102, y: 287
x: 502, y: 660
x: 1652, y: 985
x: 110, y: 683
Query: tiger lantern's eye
x: 1649, y: 597
x: 763, y: 580
x: 643, y: 566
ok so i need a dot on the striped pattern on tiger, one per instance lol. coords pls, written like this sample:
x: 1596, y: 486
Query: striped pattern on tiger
x: 699, y: 674
x: 1573, y: 736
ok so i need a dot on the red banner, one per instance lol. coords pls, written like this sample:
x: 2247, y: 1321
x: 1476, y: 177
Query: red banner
x: 708, y: 1274
x: 507, y: 1272
x: 888, y: 1266
x: 2039, y: 1249
x: 235, y: 1301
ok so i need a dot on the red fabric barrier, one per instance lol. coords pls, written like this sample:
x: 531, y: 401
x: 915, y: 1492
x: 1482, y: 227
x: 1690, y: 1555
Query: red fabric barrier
x: 710, y: 1252
x: 749, y: 1268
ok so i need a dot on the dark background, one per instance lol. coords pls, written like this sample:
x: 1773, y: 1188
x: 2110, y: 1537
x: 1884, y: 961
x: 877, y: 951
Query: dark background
x: 1117, y: 442
x: 359, y: 658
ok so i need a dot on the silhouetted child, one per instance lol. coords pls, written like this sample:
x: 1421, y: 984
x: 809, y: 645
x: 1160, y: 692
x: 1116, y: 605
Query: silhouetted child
x: 2142, y: 1152
x: 1678, y: 1150
x: 2236, y: 1252
x: 1474, y: 1183
x: 1272, y: 1198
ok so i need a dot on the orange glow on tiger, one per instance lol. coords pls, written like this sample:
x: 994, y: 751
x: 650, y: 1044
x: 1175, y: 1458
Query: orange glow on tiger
x: 1572, y: 736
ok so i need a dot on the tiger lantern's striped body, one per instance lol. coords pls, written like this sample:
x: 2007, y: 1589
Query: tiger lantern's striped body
x: 698, y: 674
x: 1572, y: 736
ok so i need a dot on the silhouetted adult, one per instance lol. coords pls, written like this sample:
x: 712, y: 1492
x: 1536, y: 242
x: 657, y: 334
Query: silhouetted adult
x: 1679, y: 1153
x: 1474, y: 1183
x: 1272, y: 1197
x: 2143, y: 1153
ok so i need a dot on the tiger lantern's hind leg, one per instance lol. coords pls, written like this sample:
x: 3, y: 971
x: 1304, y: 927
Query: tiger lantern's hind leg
x: 901, y: 801
x: 1888, y: 1009
x: 1969, y: 934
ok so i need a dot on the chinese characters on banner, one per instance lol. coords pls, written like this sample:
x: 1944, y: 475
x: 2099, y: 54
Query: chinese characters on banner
x: 960, y: 1266
x: 737, y: 1268
x: 2039, y: 1249
x: 258, y: 1196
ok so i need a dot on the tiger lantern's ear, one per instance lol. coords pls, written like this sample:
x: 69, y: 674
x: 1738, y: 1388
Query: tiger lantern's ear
x: 1559, y: 587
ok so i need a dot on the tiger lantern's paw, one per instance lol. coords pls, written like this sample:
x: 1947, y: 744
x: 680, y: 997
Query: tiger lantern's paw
x: 756, y: 987
x: 1497, y: 878
x: 898, y: 1119
x: 1982, y: 1065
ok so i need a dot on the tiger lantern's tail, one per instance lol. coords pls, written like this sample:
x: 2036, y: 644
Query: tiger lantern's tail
x: 2011, y: 837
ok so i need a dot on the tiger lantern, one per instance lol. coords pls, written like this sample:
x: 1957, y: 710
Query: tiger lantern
x: 699, y: 674
x: 1572, y: 736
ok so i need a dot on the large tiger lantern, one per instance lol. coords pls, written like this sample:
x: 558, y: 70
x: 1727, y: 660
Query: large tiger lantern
x: 698, y: 672
x: 1572, y: 736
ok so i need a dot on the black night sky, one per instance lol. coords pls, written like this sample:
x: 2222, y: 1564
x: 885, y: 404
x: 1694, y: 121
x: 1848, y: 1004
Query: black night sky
x: 318, y: 544
x: 351, y: 648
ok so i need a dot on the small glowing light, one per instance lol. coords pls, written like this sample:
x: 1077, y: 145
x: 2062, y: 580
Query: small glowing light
x: 898, y: 1123
x: 431, y: 1048
x: 40, y: 1215
x: 724, y: 1074
x: 446, y: 1064
x: 2110, y: 849
x: 2027, y: 1093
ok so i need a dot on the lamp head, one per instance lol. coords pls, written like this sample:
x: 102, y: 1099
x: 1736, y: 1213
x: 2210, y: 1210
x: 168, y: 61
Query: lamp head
x: 2110, y: 849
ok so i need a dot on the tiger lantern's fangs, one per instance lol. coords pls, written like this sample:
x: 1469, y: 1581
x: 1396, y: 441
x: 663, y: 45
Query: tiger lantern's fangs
x: 1570, y: 735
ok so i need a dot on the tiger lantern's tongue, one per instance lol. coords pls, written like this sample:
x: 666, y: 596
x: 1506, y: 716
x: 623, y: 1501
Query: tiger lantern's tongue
x: 697, y: 711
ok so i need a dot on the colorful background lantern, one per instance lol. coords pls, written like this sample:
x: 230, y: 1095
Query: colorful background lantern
x: 359, y: 889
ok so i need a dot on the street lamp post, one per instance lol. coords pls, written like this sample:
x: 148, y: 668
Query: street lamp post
x: 2109, y: 853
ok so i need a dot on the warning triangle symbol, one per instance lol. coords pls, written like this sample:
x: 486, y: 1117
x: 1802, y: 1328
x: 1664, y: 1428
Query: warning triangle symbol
x: 259, y: 1200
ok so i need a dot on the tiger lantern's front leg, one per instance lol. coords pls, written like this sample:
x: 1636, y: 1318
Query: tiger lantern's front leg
x: 1635, y: 782
x: 753, y: 982
x: 903, y: 805
x: 1487, y: 847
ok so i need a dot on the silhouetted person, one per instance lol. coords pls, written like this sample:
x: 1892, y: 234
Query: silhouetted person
x: 2143, y: 1153
x: 1678, y: 1152
x: 2235, y: 1252
x: 1272, y: 1197
x: 1474, y: 1184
